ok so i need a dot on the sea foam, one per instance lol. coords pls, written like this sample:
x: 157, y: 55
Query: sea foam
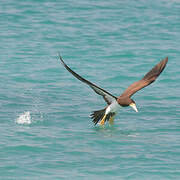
x: 24, y: 118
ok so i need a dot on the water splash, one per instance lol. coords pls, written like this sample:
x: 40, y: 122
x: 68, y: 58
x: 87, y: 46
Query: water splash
x: 24, y: 118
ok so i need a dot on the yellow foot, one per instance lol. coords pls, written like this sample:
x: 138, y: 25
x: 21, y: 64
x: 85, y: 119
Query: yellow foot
x: 103, y: 120
x: 111, y: 120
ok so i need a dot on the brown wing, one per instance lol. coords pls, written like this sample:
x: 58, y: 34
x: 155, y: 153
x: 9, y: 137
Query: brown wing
x: 149, y: 78
x: 109, y: 98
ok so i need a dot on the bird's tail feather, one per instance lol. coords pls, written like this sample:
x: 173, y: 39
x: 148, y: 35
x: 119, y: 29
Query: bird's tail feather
x: 98, y: 115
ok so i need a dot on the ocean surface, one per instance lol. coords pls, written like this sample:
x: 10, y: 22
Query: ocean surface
x: 45, y: 126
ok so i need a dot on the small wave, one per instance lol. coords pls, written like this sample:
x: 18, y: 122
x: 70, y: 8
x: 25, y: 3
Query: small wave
x: 24, y: 118
x: 133, y: 135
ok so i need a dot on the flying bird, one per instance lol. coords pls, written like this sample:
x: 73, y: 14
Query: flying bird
x: 114, y: 103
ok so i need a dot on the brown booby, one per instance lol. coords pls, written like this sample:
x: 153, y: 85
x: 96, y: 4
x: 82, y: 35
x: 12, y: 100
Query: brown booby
x: 114, y: 103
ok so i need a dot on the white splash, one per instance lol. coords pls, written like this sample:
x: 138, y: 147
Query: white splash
x: 24, y: 118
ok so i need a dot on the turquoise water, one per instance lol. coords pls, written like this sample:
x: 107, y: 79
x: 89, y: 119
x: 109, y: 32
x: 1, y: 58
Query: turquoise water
x: 45, y: 128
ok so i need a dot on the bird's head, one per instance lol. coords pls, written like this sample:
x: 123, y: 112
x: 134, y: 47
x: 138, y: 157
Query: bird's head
x: 126, y: 101
x: 133, y: 104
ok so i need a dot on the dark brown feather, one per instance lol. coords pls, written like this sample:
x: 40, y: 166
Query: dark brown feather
x: 149, y: 78
x: 97, y: 115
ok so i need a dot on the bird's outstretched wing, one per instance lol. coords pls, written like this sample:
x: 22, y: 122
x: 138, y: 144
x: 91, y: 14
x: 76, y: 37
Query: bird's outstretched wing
x: 109, y: 98
x: 149, y: 78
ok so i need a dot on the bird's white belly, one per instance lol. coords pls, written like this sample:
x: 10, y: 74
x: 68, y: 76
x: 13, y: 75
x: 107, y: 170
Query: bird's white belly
x: 113, y: 107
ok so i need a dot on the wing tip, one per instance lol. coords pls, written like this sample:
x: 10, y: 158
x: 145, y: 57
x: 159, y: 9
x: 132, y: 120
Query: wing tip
x: 61, y: 59
x: 165, y: 60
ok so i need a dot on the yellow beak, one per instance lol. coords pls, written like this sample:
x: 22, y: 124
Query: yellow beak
x: 133, y: 105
